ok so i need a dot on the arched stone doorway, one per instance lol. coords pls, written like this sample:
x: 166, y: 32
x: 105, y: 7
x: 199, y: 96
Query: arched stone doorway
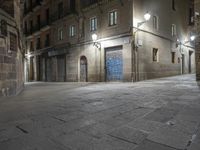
x: 83, y: 69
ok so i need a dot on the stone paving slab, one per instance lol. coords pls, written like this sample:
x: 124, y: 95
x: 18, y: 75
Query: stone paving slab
x: 129, y: 134
x: 97, y: 130
x: 195, y: 145
x: 162, y: 115
x: 145, y: 125
x: 171, y: 137
x: 110, y: 143
x: 149, y: 145
x: 77, y: 141
x: 31, y: 143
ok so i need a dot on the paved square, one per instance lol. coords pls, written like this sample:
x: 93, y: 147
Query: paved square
x: 161, y: 114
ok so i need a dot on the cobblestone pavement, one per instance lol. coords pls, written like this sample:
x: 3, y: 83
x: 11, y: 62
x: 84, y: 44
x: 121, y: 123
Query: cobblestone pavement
x: 162, y: 114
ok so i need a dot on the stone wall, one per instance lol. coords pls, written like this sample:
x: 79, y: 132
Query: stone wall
x: 11, y: 57
x: 197, y: 19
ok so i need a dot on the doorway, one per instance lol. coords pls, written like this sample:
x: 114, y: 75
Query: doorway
x: 114, y: 64
x: 83, y: 69
x: 183, y: 63
x: 190, y: 61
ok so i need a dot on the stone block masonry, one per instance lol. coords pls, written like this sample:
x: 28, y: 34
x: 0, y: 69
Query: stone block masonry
x: 11, y: 73
x: 11, y: 53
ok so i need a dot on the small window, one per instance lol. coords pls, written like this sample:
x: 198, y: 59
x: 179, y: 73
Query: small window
x: 173, y: 30
x: 155, y: 22
x: 38, y: 21
x: 60, y: 34
x: 173, y: 57
x: 112, y: 18
x: 155, y: 55
x: 93, y: 24
x: 3, y: 27
x: 72, y: 31
x: 47, y: 40
x: 60, y: 10
x: 13, y: 42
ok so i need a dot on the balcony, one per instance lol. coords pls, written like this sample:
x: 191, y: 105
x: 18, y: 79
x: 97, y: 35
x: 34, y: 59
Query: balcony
x: 34, y: 6
x: 37, y: 4
x: 59, y: 15
x: 28, y: 33
x: 93, y: 3
x: 88, y: 3
x: 28, y: 10
x: 45, y: 25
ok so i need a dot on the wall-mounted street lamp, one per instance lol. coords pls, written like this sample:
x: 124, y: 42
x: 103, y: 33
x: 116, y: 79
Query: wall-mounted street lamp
x: 192, y: 38
x: 181, y: 49
x: 135, y: 55
x: 98, y: 46
x: 147, y: 17
x: 95, y: 43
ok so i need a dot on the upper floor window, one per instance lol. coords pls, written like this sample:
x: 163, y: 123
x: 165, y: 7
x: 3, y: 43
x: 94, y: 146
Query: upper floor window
x: 72, y: 5
x: 112, y: 18
x: 173, y: 30
x: 31, y: 46
x: 191, y: 13
x: 31, y: 4
x: 155, y: 22
x: 173, y: 5
x: 38, y: 46
x: 47, y: 15
x: 93, y: 24
x: 60, y: 34
x: 72, y: 31
x: 47, y: 40
x: 60, y: 10
x: 38, y: 21
x: 31, y: 25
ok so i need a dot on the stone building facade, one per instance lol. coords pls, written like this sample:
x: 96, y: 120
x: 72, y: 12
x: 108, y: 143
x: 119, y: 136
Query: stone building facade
x: 60, y: 45
x: 11, y: 52
x: 197, y: 28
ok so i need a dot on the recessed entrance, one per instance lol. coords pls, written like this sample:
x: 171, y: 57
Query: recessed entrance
x: 83, y: 69
x: 190, y: 61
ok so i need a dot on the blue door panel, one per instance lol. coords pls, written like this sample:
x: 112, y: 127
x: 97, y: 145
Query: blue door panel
x: 114, y: 65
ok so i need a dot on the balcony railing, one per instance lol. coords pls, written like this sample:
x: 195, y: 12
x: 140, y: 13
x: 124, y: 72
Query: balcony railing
x: 59, y: 15
x: 28, y: 10
x: 37, y: 3
x: 87, y: 3
x: 32, y: 6
x: 37, y: 28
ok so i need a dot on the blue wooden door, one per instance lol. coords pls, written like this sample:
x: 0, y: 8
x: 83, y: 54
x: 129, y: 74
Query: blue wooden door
x: 114, y: 65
